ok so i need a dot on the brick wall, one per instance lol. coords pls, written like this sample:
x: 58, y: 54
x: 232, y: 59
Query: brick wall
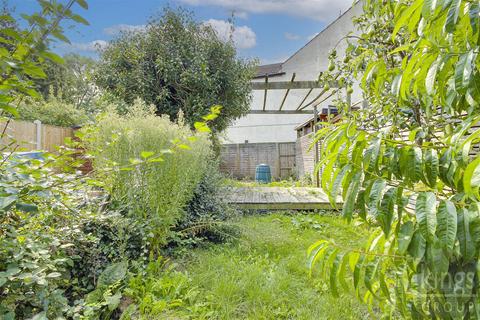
x: 304, y: 156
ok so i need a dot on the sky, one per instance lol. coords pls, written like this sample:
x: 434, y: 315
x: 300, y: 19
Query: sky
x: 270, y: 30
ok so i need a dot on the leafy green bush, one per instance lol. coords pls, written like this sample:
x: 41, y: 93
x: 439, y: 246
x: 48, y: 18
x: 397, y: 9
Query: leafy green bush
x: 163, y: 292
x: 108, y: 238
x: 155, y: 192
x: 53, y: 112
x: 42, y: 203
x: 206, y: 212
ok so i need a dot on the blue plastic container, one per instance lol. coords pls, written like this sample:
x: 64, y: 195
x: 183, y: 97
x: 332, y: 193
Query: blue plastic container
x: 263, y: 174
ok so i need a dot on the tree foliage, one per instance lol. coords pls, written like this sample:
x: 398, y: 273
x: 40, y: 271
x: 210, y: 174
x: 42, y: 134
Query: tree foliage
x: 23, y: 52
x: 408, y: 165
x: 178, y: 64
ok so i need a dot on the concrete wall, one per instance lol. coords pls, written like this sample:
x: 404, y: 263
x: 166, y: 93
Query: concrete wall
x: 307, y: 63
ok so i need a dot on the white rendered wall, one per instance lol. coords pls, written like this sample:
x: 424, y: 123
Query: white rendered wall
x: 306, y: 63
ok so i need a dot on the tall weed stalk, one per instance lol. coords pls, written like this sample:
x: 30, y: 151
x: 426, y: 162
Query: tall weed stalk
x: 154, y: 192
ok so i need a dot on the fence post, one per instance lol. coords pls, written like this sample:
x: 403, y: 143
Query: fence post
x: 38, y: 135
x: 279, y: 162
x: 237, y: 165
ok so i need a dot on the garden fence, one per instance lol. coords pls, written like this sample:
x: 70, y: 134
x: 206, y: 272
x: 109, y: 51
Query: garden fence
x: 240, y: 160
x: 29, y: 136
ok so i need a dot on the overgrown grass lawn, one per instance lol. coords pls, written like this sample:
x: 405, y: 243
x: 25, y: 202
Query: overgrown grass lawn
x: 264, y: 274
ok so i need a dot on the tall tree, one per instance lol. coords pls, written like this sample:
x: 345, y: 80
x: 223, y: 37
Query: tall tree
x: 178, y: 64
x: 408, y: 165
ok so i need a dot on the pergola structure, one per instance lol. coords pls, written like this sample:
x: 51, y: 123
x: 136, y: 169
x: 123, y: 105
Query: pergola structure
x: 304, y: 107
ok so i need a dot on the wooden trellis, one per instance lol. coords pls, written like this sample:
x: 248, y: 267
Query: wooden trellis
x: 303, y: 108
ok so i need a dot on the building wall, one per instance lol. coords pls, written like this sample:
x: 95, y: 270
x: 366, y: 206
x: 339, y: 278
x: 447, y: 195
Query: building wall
x: 307, y: 63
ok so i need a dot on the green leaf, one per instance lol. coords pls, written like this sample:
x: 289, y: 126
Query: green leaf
x: 154, y: 160
x: 6, y: 202
x: 431, y: 167
x: 437, y: 260
x: 375, y: 195
x: 26, y: 207
x: 113, y: 301
x: 405, y: 17
x: 425, y: 210
x: 35, y: 71
x: 333, y: 274
x: 475, y: 225
x: 428, y: 8
x: 447, y: 224
x: 79, y: 19
x: 83, y: 4
x: 471, y: 177
x: 431, y: 77
x: 463, y: 71
x: 184, y: 146
x: 474, y: 15
x: 415, y: 164
x: 351, y: 196
x: 371, y: 155
x: 201, y: 127
x: 467, y: 247
x: 342, y: 272
x: 357, y: 273
x: 335, y: 190
x: 386, y: 214
x: 316, y: 252
x: 452, y: 15
x: 405, y: 237
x: 54, y: 275
x: 417, y: 246
x: 370, y: 273
x: 113, y: 273
x: 146, y: 154
x: 53, y: 57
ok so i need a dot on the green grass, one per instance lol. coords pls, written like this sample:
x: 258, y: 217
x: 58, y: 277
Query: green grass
x: 264, y: 275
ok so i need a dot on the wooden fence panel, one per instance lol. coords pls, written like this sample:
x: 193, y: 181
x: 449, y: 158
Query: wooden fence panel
x: 30, y: 136
x: 241, y: 160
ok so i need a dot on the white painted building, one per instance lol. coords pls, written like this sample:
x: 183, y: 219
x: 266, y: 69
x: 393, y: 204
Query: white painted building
x: 306, y: 63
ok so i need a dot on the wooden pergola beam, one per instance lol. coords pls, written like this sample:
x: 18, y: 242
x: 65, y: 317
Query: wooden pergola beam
x: 280, y: 112
x: 305, y: 98
x: 286, y: 93
x: 284, y: 85
x: 265, y: 94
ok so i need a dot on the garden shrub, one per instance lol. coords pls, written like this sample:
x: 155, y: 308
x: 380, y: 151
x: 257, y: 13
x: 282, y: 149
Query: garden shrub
x: 53, y: 112
x: 155, y: 193
x: 41, y: 209
x: 206, y: 212
x: 109, y: 238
